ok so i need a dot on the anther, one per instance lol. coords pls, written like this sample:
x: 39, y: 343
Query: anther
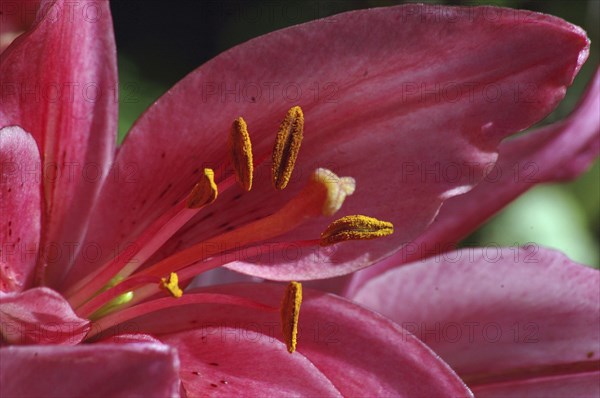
x: 205, y: 192
x: 171, y: 284
x: 290, y: 311
x: 287, y: 146
x: 355, y: 227
x: 240, y: 148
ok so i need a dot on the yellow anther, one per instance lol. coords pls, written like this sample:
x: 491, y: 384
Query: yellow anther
x: 172, y: 285
x: 355, y: 228
x: 337, y: 189
x: 205, y: 192
x: 287, y: 146
x: 241, y: 153
x: 290, y: 311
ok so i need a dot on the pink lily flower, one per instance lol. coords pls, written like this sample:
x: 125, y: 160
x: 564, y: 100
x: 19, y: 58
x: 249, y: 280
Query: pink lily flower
x: 67, y: 191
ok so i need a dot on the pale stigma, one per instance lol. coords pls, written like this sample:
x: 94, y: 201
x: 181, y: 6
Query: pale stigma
x: 287, y: 145
x: 240, y: 148
x: 355, y: 227
x: 205, y: 192
x: 290, y: 311
x: 337, y: 189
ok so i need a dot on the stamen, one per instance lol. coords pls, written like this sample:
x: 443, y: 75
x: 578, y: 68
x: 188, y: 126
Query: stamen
x: 172, y: 285
x: 290, y: 311
x: 241, y: 153
x: 287, y: 146
x: 186, y: 274
x: 153, y: 237
x: 355, y: 227
x: 205, y: 192
x: 309, y: 202
x: 115, y: 318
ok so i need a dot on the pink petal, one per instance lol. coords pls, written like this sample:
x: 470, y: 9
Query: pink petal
x: 131, y: 338
x: 19, y: 196
x: 40, y: 316
x: 359, y: 352
x: 99, y: 370
x: 579, y: 385
x: 15, y: 18
x: 222, y: 363
x: 59, y: 84
x: 497, y: 315
x: 557, y: 152
x: 370, y: 119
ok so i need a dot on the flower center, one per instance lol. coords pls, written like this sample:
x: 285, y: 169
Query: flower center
x: 120, y: 283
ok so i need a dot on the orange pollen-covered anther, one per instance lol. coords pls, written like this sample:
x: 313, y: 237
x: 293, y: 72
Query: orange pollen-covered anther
x: 240, y: 148
x: 290, y: 312
x: 171, y: 284
x: 205, y: 191
x: 355, y: 227
x: 287, y: 145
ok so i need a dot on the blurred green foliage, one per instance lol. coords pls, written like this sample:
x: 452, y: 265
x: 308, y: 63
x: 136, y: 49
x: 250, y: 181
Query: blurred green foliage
x: 158, y: 43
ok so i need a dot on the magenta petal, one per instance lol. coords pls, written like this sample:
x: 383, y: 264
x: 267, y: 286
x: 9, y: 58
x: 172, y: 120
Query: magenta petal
x: 380, y: 75
x: 99, y: 370
x: 359, y: 352
x: 40, y: 316
x: 19, y: 195
x: 557, y: 152
x: 577, y: 385
x: 59, y: 83
x: 16, y: 17
x: 497, y: 315
x: 131, y: 338
x: 221, y: 362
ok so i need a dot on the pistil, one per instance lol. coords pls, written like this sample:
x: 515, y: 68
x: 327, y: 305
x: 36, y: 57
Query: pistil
x: 323, y: 195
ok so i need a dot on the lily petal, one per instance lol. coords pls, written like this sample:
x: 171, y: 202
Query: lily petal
x: 334, y: 335
x: 219, y: 362
x: 389, y: 98
x: 510, y: 315
x: 15, y: 18
x: 558, y: 152
x: 579, y: 385
x: 99, y: 370
x: 40, y: 316
x: 19, y: 195
x: 59, y: 83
